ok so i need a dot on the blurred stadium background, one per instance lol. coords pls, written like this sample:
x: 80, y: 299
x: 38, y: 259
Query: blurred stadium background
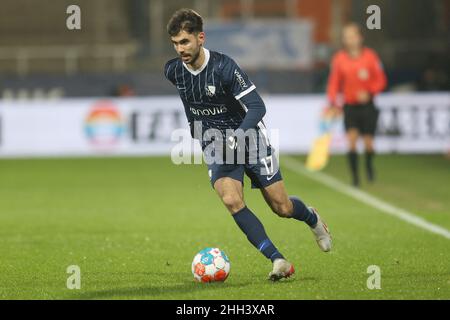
x: 285, y: 46
x: 124, y: 43
x: 100, y: 91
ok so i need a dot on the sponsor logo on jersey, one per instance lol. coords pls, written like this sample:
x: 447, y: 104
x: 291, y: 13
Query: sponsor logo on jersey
x: 209, y: 111
x: 240, y: 79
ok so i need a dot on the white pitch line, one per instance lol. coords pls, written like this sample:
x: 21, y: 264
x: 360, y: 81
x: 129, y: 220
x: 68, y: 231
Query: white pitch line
x: 364, y: 197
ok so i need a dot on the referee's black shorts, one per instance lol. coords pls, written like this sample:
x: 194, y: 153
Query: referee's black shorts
x: 363, y: 117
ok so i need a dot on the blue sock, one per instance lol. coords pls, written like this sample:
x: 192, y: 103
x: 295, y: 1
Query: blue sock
x: 254, y: 230
x: 302, y: 213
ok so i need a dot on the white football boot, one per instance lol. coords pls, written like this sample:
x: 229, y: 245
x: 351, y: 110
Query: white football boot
x: 321, y: 232
x: 281, y: 269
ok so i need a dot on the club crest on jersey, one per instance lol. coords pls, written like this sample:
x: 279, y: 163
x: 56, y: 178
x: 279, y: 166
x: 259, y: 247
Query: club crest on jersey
x: 210, y: 91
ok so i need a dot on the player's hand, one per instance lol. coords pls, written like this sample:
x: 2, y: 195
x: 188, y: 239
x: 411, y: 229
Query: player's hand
x: 229, y: 149
x: 232, y: 142
x: 334, y: 111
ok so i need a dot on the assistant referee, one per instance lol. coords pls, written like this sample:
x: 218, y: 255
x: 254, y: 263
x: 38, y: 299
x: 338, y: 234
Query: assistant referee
x: 357, y: 75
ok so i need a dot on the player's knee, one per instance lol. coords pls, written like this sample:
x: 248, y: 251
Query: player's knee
x: 233, y: 202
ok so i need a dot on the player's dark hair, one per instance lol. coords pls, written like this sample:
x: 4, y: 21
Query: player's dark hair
x: 185, y: 19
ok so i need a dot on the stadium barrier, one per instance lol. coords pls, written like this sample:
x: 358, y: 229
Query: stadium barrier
x: 409, y: 123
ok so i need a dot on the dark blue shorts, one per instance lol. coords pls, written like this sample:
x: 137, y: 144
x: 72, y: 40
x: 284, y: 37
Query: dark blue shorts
x: 262, y: 174
x: 257, y: 160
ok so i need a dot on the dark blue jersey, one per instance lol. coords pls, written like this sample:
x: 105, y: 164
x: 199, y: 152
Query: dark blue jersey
x: 213, y: 94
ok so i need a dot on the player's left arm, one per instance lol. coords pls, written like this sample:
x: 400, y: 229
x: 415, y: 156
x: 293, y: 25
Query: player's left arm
x: 256, y: 110
x: 243, y: 90
x: 378, y: 80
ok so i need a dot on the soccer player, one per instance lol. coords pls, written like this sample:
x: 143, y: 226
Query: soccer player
x: 357, y: 72
x: 217, y: 94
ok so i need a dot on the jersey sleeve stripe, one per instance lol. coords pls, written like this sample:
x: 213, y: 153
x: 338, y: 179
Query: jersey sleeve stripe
x: 243, y: 93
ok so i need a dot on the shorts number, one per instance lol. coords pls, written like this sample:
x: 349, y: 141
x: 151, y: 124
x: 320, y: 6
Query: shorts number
x: 267, y: 161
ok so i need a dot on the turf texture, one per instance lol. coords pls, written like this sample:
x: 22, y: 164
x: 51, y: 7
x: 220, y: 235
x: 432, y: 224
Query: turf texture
x: 133, y: 226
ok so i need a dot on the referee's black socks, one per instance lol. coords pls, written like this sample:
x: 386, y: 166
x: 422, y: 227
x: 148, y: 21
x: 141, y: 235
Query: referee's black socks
x: 369, y: 166
x: 353, y: 163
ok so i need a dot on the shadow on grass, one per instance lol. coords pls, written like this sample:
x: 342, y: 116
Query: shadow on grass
x: 160, y: 291
x: 215, y: 289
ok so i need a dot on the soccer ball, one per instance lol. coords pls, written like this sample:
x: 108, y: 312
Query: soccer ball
x: 210, y: 264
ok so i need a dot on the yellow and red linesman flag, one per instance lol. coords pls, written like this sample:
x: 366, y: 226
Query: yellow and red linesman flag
x: 320, y: 152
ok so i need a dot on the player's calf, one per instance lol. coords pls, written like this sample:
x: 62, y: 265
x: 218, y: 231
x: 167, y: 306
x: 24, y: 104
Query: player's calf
x: 278, y: 200
x: 282, y: 209
x: 302, y: 213
x: 252, y: 227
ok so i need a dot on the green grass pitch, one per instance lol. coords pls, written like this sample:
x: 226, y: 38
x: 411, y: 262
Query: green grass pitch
x: 133, y: 226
